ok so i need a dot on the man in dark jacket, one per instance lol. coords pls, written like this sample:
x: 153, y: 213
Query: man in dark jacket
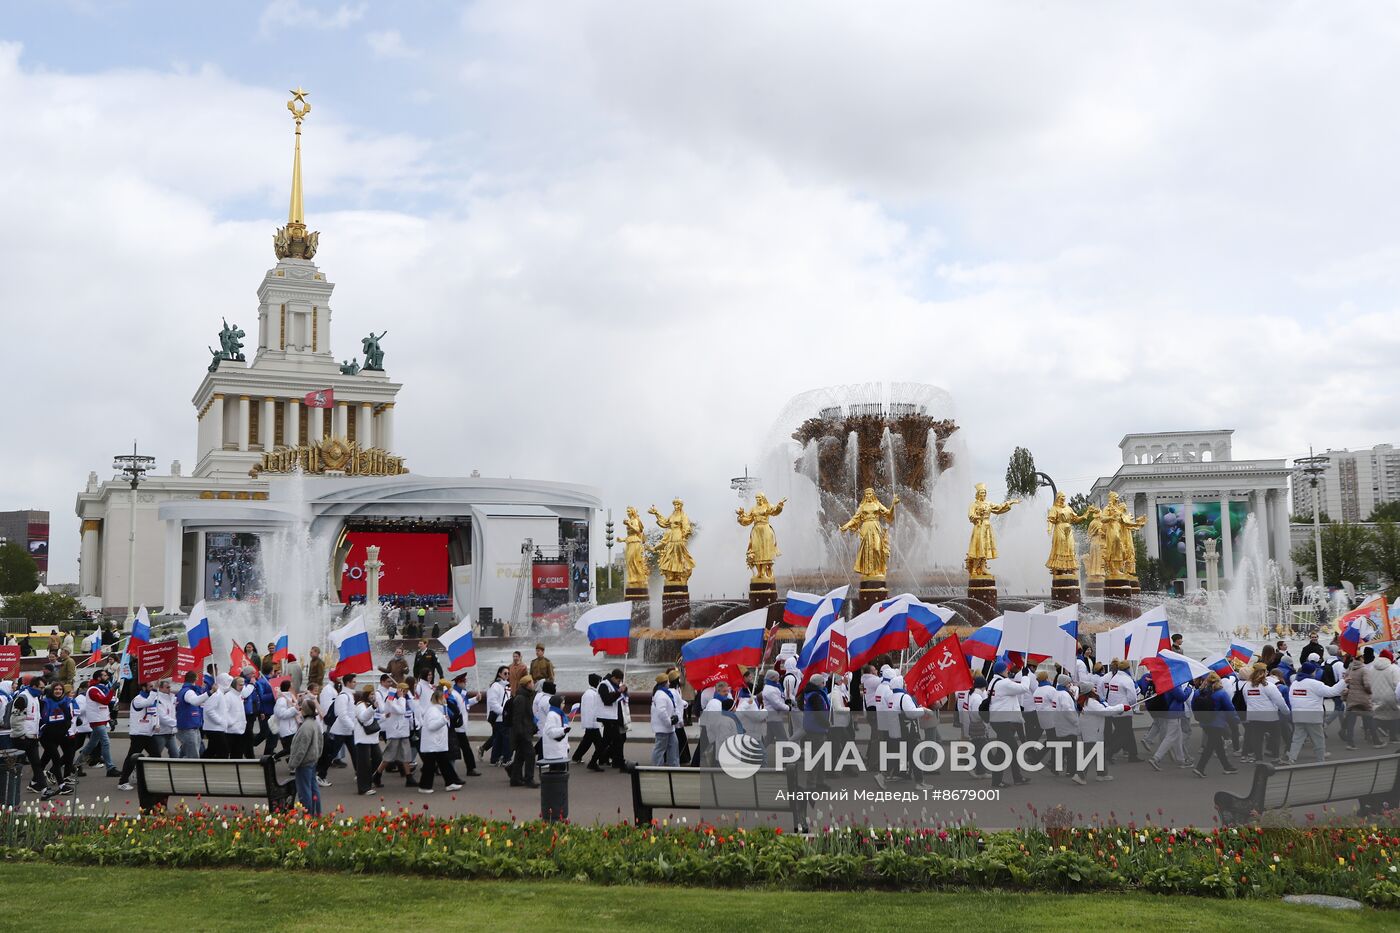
x: 425, y: 664
x: 522, y: 734
x: 611, y: 694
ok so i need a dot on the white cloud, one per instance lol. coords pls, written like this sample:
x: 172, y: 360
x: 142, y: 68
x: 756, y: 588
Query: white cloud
x: 294, y: 14
x: 675, y: 219
x: 389, y: 44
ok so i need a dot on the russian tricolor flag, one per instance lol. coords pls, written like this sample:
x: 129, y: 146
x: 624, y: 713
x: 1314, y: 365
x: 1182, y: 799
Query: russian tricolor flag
x: 799, y: 608
x: 281, y: 648
x: 738, y: 642
x: 1170, y: 670
x: 461, y: 646
x: 881, y: 629
x: 140, y: 630
x: 985, y: 641
x: 1242, y: 651
x: 1349, y: 641
x: 608, y: 628
x: 825, y: 641
x: 925, y: 620
x: 1220, y: 664
x: 352, y: 647
x: 197, y: 631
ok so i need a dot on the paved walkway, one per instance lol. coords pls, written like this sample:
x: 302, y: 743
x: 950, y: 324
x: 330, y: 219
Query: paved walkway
x: 1138, y: 793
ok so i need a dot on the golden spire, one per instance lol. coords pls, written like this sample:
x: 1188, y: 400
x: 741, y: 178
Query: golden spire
x: 294, y: 211
x: 293, y: 241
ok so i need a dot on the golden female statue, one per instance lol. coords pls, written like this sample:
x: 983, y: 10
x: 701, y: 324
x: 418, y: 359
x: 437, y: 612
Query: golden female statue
x: 634, y: 550
x: 1093, y: 561
x: 982, y: 547
x: 1120, y: 556
x: 763, y: 544
x: 1060, y: 522
x: 672, y: 556
x: 873, y: 554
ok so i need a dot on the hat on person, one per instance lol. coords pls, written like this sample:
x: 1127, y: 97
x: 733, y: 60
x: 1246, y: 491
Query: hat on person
x: 1388, y: 655
x: 525, y: 680
x: 771, y: 675
x: 896, y: 682
x: 1062, y: 681
x: 663, y: 678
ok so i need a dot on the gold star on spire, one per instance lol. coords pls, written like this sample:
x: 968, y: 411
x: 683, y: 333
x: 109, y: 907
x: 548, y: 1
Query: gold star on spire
x: 293, y: 240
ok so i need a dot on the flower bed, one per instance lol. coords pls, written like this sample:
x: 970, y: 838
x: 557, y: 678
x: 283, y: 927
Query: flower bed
x: 1257, y: 862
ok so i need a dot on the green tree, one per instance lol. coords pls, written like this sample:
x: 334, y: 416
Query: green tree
x: 1385, y: 551
x: 1021, y: 481
x: 1386, y: 512
x: 1346, y: 553
x: 43, y: 608
x: 1079, y: 502
x: 608, y: 594
x: 18, y: 572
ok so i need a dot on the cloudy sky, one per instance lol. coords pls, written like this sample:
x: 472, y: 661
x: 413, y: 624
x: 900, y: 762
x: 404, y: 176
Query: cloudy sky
x: 610, y: 240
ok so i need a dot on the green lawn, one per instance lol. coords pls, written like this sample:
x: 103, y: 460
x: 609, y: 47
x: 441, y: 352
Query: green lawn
x: 98, y: 899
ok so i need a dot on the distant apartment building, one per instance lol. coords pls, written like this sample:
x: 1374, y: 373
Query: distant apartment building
x: 1352, y: 485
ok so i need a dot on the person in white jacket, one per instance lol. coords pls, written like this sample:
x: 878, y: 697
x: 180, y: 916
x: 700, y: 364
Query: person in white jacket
x: 433, y: 741
x: 496, y: 695
x: 163, y: 735
x: 364, y: 732
x: 142, y: 723
x: 215, y: 735
x: 555, y: 733
x: 1263, y: 705
x: 1004, y: 708
x: 285, y: 719
x: 1120, y: 692
x: 340, y: 730
x: 588, y: 706
x: 1093, y: 714
x: 1384, y: 678
x: 1308, y: 696
x: 665, y: 716
x: 236, y: 718
x: 395, y: 719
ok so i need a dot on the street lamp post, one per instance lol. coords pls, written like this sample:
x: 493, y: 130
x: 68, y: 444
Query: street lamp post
x: 610, y: 539
x: 1315, y: 465
x: 133, y: 468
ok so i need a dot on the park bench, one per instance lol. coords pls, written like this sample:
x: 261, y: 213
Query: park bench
x: 1375, y: 782
x: 663, y: 788
x: 157, y: 779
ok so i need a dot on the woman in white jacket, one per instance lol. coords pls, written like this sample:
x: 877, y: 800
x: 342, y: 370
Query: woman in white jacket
x: 1262, y: 706
x: 285, y: 719
x: 236, y: 719
x: 395, y: 718
x: 365, y: 722
x: 1093, y: 714
x: 215, y: 733
x: 433, y: 741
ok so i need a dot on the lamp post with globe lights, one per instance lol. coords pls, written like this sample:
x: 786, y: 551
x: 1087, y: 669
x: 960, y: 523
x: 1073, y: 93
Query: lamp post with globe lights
x: 1315, y: 465
x: 133, y: 468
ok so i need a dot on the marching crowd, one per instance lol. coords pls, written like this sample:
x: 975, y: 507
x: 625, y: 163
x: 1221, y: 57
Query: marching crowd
x: 1267, y: 709
x: 407, y: 718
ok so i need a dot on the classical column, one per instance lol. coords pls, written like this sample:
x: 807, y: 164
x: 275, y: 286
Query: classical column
x: 174, y: 538
x: 1154, y: 548
x: 342, y: 420
x: 1227, y: 560
x: 268, y: 424
x: 216, y: 411
x: 1279, y: 523
x: 199, y: 568
x: 291, y: 423
x: 89, y: 580
x: 1189, y: 507
x: 364, y: 418
x: 385, y: 432
x: 317, y: 428
x: 244, y: 417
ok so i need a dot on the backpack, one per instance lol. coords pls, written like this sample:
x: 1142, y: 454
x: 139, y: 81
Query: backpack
x: 1157, y: 703
x: 16, y: 716
x: 1329, y: 674
x: 1238, y: 700
x: 984, y: 709
x: 329, y: 718
x: 454, y: 715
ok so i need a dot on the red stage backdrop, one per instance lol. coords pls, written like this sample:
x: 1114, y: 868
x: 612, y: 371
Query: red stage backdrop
x: 413, y: 563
